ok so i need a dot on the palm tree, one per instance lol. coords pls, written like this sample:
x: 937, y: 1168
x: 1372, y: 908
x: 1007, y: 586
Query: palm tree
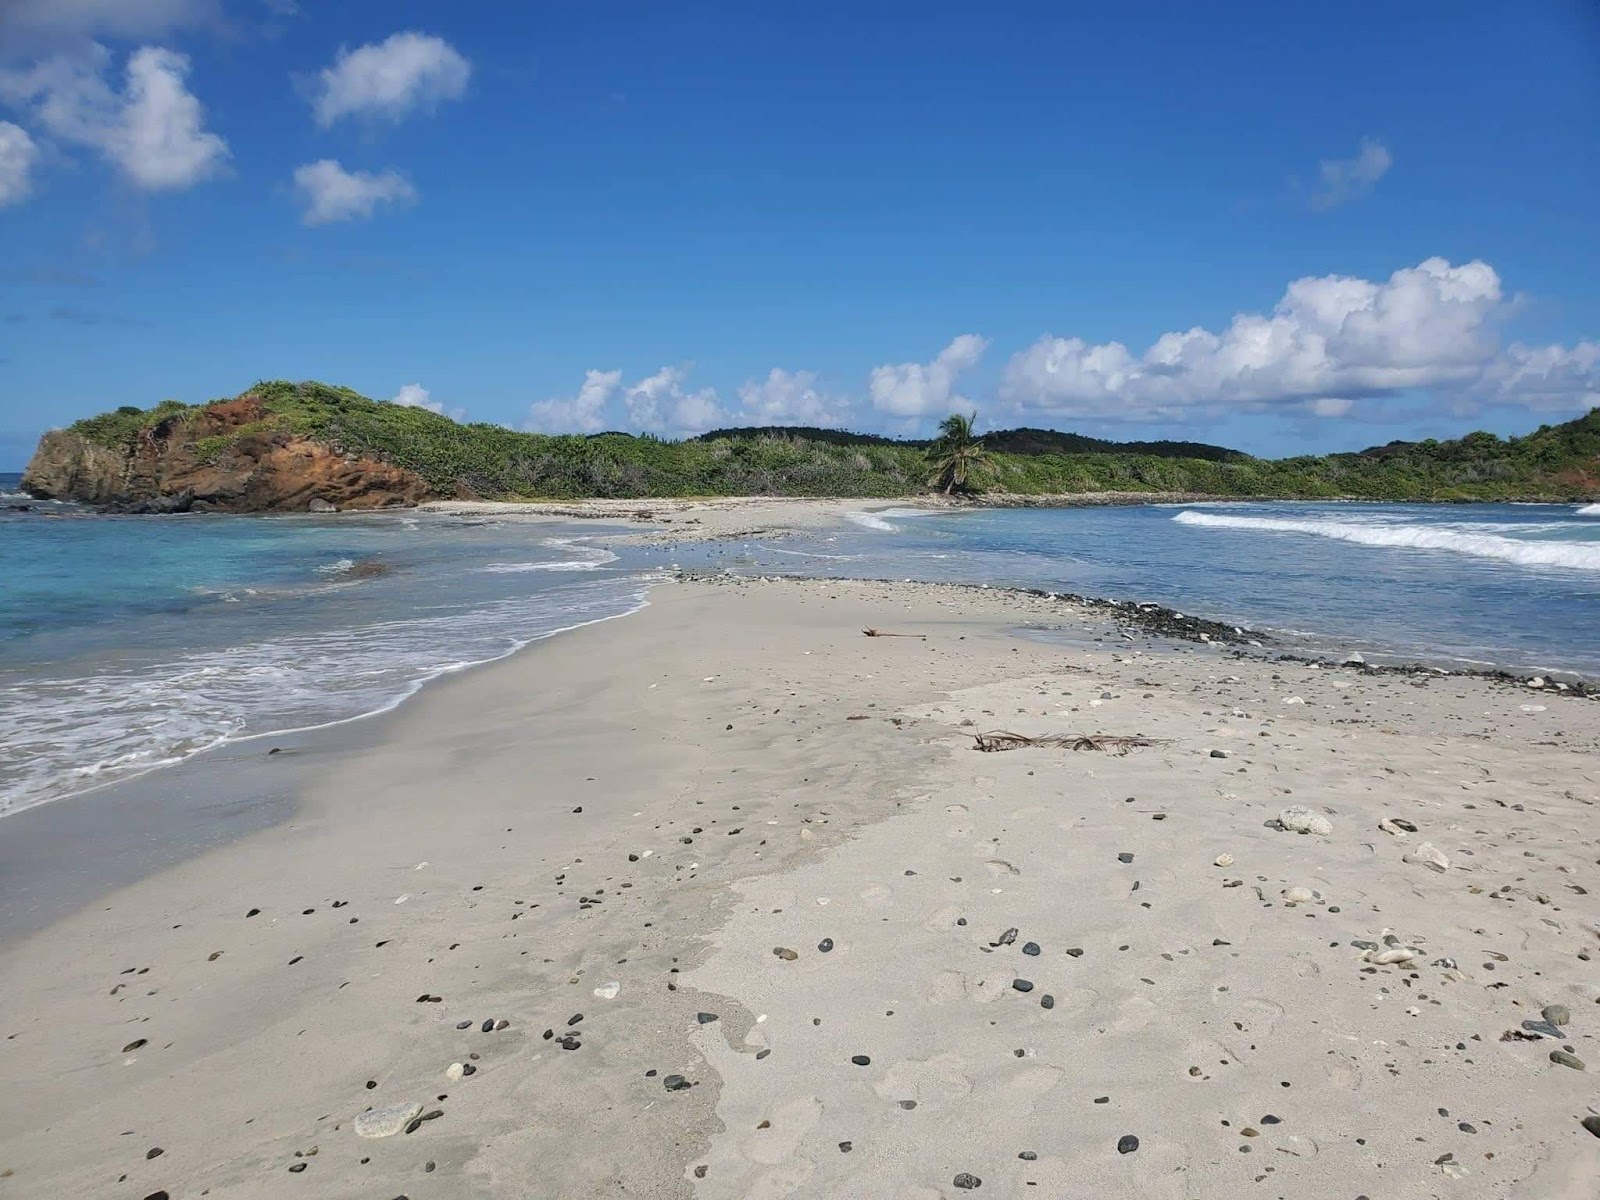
x: 956, y: 456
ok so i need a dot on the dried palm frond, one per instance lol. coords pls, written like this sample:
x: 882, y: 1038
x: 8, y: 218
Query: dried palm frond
x: 1000, y: 739
x: 882, y: 633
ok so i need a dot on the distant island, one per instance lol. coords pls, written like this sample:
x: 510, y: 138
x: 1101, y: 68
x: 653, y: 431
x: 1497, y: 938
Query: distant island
x: 294, y: 447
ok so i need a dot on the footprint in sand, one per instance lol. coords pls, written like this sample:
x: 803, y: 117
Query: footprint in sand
x: 946, y: 988
x: 780, y: 1181
x: 1000, y: 867
x: 991, y: 985
x: 791, y: 1121
x: 929, y: 1081
x: 1134, y: 1014
x: 875, y: 893
x: 955, y: 809
x: 1342, y: 1071
x: 1256, y: 1017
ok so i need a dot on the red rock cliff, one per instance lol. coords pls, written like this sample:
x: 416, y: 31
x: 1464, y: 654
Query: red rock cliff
x: 177, y: 466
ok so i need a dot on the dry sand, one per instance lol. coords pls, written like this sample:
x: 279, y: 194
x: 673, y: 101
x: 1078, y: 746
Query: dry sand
x: 664, y: 819
x: 667, y: 521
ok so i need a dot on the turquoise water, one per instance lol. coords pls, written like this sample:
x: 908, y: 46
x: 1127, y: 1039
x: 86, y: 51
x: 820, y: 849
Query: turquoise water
x: 127, y: 643
x: 131, y: 642
x: 1510, y: 585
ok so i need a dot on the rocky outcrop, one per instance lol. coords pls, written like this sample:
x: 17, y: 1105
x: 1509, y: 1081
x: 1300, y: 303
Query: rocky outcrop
x: 226, y: 458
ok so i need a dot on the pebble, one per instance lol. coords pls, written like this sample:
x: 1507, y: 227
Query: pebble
x: 967, y: 1182
x: 825, y: 945
x: 1297, y: 818
x: 1428, y: 855
x: 861, y: 1060
x: 1022, y: 985
x: 705, y: 1018
x: 463, y: 1024
x: 1031, y: 948
x: 1027, y: 1156
x: 386, y: 1121
x: 1222, y: 754
x: 785, y: 953
x: 608, y: 991
x: 1047, y: 1001
x: 455, y: 1070
x: 1124, y: 857
x: 1127, y: 1144
x: 1566, y: 1060
x: 488, y: 1025
x: 1592, y: 1124
x: 675, y: 1083
x: 1556, y: 1014
x: 1299, y: 895
x: 1223, y: 860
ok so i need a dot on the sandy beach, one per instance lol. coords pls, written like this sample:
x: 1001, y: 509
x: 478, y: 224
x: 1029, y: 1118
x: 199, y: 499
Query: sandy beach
x: 719, y: 900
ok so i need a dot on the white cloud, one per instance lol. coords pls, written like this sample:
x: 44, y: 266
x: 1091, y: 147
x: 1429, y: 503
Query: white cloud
x: 926, y: 389
x: 660, y: 404
x: 61, y: 20
x: 331, y: 193
x: 582, y: 413
x: 1344, y: 179
x: 1330, y: 340
x: 17, y: 156
x: 153, y: 130
x: 789, y: 398
x: 414, y: 395
x: 404, y: 72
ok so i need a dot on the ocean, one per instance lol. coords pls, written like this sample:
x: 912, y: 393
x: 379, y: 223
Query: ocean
x: 128, y: 643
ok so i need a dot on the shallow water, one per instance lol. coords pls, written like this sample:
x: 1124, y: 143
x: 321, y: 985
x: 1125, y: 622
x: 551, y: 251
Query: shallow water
x: 127, y: 643
x: 1507, y: 585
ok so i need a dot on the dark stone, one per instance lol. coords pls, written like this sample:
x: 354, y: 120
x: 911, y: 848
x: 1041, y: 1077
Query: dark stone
x: 846, y: 1147
x: 1031, y: 949
x: 705, y: 1018
x: 296, y: 1168
x: 825, y: 945
x: 153, y: 1152
x: 861, y: 1060
x: 1127, y: 1144
x: 1076, y: 951
x: 676, y: 1083
x: 967, y: 1182
x: 488, y: 1025
x: 1022, y: 985
x: 1592, y: 1124
x: 1047, y: 1001
x: 1124, y: 857
x: 1027, y: 1156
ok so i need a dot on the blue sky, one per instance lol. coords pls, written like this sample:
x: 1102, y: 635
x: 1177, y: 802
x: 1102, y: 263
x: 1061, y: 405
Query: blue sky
x: 1284, y: 227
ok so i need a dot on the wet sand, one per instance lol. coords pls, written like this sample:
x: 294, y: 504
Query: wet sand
x: 692, y: 867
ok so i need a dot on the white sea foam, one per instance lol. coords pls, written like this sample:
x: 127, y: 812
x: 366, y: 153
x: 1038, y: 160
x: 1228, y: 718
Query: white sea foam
x: 64, y: 734
x: 1580, y: 556
x: 878, y: 519
x: 1588, y: 510
x: 583, y: 557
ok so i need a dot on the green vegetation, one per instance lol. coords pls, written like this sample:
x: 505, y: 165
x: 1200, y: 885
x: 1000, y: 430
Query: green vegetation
x: 1559, y: 462
x: 958, y: 458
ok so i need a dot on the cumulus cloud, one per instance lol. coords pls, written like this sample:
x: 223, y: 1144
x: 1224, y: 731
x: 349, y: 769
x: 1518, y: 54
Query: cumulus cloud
x: 17, y: 156
x: 414, y: 395
x: 1329, y: 341
x: 1345, y: 179
x: 789, y: 398
x: 389, y: 79
x: 925, y: 389
x: 153, y: 130
x: 661, y: 404
x: 26, y: 21
x: 584, y: 412
x: 330, y: 193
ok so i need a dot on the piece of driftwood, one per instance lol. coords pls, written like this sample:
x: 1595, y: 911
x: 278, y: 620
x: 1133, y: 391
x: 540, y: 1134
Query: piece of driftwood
x: 1001, y: 739
x: 882, y: 633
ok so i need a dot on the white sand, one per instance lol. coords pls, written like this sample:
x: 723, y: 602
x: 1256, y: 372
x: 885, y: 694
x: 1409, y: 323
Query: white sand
x: 722, y: 715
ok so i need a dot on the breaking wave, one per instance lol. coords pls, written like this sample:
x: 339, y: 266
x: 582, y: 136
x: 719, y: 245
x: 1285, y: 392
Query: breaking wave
x: 1580, y: 556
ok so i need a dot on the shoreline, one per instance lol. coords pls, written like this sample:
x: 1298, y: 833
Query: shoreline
x: 762, y: 752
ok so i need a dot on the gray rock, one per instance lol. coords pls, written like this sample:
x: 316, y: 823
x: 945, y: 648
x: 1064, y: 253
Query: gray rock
x: 386, y: 1121
x: 1556, y: 1014
x: 1564, y: 1059
x: 967, y: 1182
x: 319, y: 505
x: 1127, y: 1144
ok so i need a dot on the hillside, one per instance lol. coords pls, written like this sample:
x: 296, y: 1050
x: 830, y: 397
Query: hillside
x: 281, y: 446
